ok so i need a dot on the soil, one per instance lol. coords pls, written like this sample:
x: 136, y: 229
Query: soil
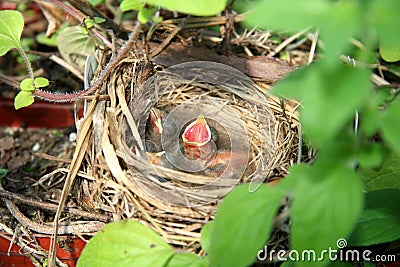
x: 27, y: 154
x: 23, y: 154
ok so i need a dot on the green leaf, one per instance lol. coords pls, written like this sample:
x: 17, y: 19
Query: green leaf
x: 75, y: 46
x: 384, y: 18
x: 323, y: 90
x: 11, y: 25
x: 341, y: 151
x: 389, y: 51
x: 145, y: 14
x: 27, y: 85
x: 27, y: 42
x: 205, y: 239
x: 157, y: 19
x: 198, y: 8
x: 242, y: 225
x: 287, y: 264
x: 325, y: 207
x: 386, y: 198
x: 41, y: 82
x: 387, y: 176
x: 371, y: 155
x: 376, y: 226
x: 125, y: 243
x: 95, y: 2
x: 380, y: 221
x: 127, y: 5
x: 368, y: 264
x: 337, y: 22
x: 302, y: 14
x: 345, y: 22
x: 341, y: 264
x: 187, y: 260
x: 84, y: 31
x: 89, y: 23
x: 98, y: 20
x: 394, y: 69
x: 41, y: 38
x: 3, y: 173
x: 23, y: 99
x: 370, y: 114
x: 391, y: 124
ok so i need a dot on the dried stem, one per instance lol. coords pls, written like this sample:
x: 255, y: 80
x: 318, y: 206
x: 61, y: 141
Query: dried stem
x: 49, y: 206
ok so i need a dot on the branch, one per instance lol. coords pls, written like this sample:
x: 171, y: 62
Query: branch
x: 53, y: 207
x: 60, y: 98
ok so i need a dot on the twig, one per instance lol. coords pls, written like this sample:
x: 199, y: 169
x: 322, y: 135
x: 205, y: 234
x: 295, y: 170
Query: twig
x: 86, y: 8
x: 164, y: 44
x: 67, y: 66
x: 280, y: 47
x: 65, y: 228
x: 313, y: 47
x: 201, y: 22
x: 50, y: 157
x: 53, y: 207
x: 9, y: 81
x: 99, y: 82
x: 69, y: 9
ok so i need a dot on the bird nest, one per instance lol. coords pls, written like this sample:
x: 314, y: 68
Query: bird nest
x: 148, y: 177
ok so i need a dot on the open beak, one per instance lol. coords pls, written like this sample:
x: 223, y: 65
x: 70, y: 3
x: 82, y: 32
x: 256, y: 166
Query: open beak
x: 197, y: 133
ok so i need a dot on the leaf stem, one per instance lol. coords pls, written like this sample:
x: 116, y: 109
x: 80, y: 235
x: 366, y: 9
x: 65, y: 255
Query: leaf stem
x: 27, y: 62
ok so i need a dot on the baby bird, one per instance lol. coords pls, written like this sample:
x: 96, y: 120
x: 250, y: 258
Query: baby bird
x: 154, y: 130
x: 196, y: 140
x: 197, y: 143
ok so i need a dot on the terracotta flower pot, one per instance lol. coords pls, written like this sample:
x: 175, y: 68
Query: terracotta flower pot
x: 69, y: 253
x: 40, y: 114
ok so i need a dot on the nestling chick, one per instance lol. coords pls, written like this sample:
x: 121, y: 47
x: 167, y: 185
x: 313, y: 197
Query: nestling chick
x: 154, y: 130
x: 196, y: 140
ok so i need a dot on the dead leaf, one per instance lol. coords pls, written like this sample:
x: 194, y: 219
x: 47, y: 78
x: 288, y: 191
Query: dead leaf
x: 54, y: 15
x: 18, y: 161
x: 6, y: 143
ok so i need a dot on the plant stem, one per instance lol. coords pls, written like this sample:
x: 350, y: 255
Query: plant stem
x: 27, y: 63
x: 60, y: 98
x: 69, y: 9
